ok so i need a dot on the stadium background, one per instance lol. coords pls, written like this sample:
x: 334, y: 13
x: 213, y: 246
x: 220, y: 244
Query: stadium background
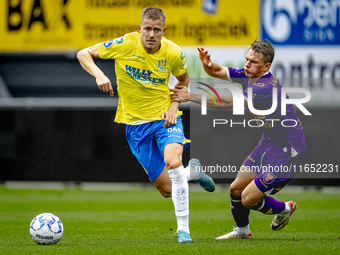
x: 55, y: 125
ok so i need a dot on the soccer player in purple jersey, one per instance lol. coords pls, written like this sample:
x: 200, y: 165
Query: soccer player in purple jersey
x: 279, y: 147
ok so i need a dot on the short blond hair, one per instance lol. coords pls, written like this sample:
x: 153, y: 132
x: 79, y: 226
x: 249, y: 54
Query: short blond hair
x: 153, y: 13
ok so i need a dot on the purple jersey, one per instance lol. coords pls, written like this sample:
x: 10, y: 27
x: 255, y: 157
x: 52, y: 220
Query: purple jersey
x: 277, y: 140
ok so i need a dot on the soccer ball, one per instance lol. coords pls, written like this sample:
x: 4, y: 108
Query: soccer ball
x: 46, y: 228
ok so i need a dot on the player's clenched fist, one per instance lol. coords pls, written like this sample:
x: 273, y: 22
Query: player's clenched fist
x: 104, y: 84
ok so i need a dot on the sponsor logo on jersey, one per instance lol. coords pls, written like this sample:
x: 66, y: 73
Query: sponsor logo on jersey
x: 183, y: 64
x: 142, y: 75
x: 119, y: 40
x: 107, y: 44
x: 161, y: 71
x: 138, y: 56
x: 184, y: 60
x: 182, y: 55
x: 136, y: 60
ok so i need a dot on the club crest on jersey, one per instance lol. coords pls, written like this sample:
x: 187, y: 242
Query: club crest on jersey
x: 161, y: 63
x: 269, y: 177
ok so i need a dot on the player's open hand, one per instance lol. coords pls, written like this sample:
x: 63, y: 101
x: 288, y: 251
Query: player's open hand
x: 170, y: 118
x: 180, y: 94
x: 104, y: 84
x: 204, y: 56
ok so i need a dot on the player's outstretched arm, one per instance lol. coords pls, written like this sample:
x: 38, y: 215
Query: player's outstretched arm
x: 181, y: 94
x: 85, y: 57
x: 170, y: 115
x: 211, y: 68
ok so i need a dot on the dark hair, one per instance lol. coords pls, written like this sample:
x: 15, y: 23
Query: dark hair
x: 153, y: 13
x: 265, y: 48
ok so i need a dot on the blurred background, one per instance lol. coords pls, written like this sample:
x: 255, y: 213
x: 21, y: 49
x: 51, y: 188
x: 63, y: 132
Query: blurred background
x: 56, y: 125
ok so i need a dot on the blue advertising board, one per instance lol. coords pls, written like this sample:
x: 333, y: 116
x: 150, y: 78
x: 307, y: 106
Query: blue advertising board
x: 301, y: 22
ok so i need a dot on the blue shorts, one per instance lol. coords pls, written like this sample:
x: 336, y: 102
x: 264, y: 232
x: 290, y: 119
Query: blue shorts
x: 147, y: 142
x: 274, y: 172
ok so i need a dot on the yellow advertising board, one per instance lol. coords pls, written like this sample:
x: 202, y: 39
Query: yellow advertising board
x: 36, y: 25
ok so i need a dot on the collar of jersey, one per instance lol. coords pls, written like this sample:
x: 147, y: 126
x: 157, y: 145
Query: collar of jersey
x: 263, y: 76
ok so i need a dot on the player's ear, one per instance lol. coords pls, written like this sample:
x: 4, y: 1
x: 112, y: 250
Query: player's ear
x: 267, y: 66
x: 164, y: 29
x: 139, y: 28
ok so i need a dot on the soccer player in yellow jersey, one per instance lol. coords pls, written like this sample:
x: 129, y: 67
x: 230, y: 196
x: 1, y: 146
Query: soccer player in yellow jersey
x: 154, y: 130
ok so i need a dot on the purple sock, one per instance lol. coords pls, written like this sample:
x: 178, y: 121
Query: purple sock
x: 240, y: 213
x: 270, y: 205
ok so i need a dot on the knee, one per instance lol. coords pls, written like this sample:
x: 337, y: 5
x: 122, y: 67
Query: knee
x: 235, y: 190
x: 238, y: 191
x: 172, y: 162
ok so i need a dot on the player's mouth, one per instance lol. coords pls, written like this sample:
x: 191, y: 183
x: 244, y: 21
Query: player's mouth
x: 150, y: 41
x: 247, y: 73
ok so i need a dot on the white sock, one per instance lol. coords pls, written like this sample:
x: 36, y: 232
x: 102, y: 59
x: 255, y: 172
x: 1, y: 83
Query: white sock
x: 180, y: 197
x: 287, y: 209
x: 191, y: 173
x: 183, y: 223
x: 243, y: 231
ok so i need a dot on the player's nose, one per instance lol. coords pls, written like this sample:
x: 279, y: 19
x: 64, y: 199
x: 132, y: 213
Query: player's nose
x: 152, y: 34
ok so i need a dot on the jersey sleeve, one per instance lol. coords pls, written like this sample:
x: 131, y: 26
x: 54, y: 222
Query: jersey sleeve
x: 112, y: 49
x: 180, y: 65
x: 236, y: 74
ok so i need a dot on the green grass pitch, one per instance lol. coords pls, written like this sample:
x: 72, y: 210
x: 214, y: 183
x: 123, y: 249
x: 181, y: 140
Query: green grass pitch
x: 143, y: 222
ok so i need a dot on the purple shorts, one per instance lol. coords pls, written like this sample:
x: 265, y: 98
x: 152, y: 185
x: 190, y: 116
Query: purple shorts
x: 274, y: 172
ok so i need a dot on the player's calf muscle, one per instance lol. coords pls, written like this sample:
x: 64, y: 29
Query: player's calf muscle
x: 164, y: 188
x: 163, y: 184
x: 249, y: 202
x: 164, y: 191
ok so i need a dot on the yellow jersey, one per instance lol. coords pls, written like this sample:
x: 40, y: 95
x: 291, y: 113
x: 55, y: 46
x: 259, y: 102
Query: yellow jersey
x: 142, y: 78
